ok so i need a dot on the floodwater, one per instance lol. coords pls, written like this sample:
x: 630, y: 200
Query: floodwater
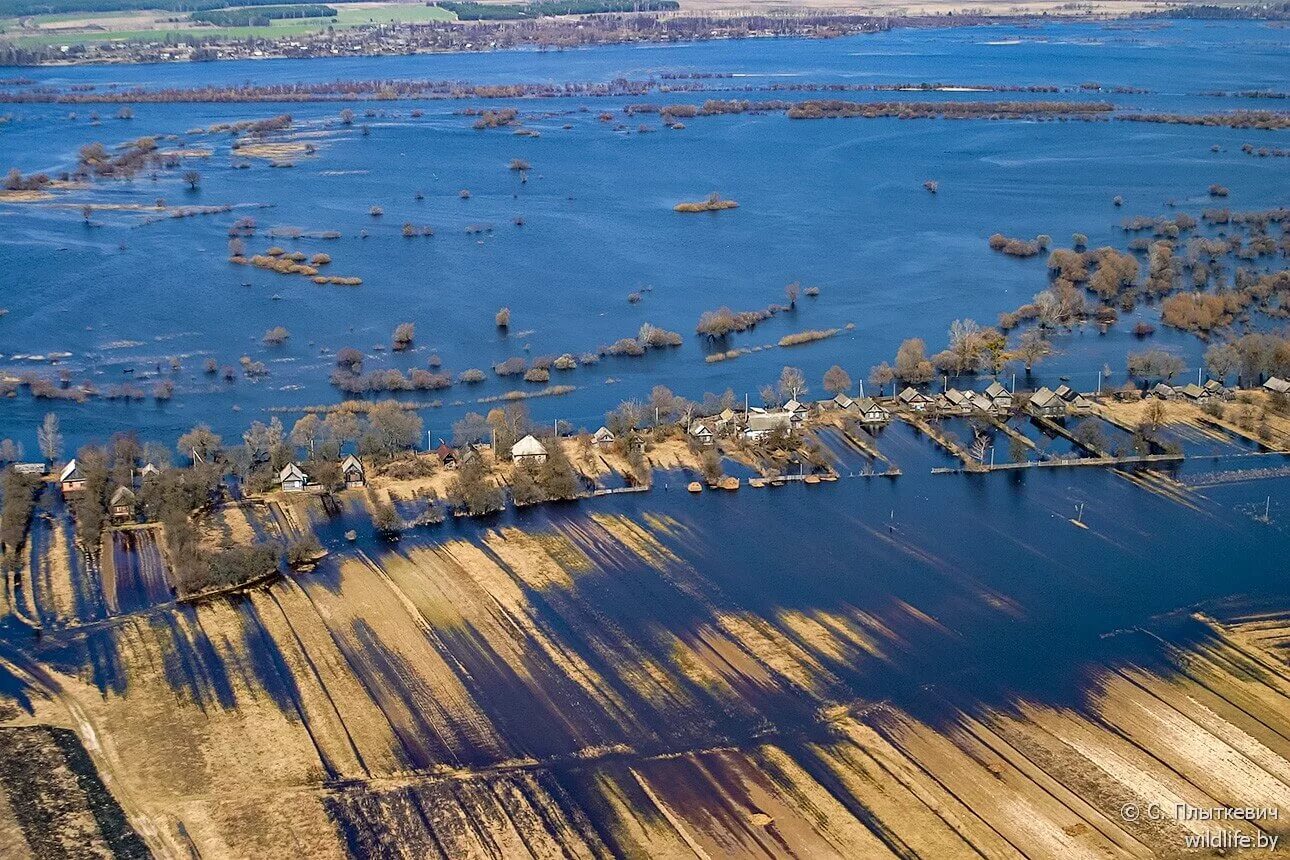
x: 834, y: 204
x: 661, y: 640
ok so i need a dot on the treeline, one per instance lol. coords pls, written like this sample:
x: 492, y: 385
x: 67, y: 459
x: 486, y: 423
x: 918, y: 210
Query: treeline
x: 19, y: 8
x: 469, y: 11
x: 262, y: 15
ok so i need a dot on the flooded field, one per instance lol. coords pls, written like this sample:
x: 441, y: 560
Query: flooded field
x: 835, y: 205
x: 644, y: 675
x: 977, y: 636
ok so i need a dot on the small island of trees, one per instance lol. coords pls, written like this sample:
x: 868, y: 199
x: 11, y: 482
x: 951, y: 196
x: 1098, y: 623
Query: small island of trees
x: 714, y: 203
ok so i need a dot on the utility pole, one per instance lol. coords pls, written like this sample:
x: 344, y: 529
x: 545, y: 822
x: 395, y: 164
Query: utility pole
x: 1099, y: 382
x: 862, y: 389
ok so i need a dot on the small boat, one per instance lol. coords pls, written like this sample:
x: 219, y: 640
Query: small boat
x: 277, y: 298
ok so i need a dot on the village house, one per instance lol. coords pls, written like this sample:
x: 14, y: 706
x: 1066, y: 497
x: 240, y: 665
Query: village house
x: 604, y: 437
x: 1217, y: 389
x: 1277, y: 385
x: 528, y: 450
x: 951, y: 401
x: 1195, y: 393
x: 702, y: 434
x: 797, y: 412
x: 71, y: 479
x: 121, y: 506
x: 872, y: 412
x: 292, y: 479
x: 1164, y: 391
x: 149, y: 470
x: 1076, y: 403
x: 841, y: 401
x: 446, y: 456
x: 980, y: 403
x: 1000, y: 396
x: 762, y: 423
x: 914, y: 399
x: 1045, y: 403
x: 33, y: 469
x: 352, y: 472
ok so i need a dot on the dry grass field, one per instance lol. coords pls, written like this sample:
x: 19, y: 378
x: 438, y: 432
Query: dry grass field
x: 511, y: 695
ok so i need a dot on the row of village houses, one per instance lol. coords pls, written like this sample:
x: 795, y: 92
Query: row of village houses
x: 995, y: 400
x: 754, y: 424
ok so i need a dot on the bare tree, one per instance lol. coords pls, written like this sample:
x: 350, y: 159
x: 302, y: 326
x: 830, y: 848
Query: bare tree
x: 911, y: 361
x: 50, y: 438
x: 193, y: 178
x: 836, y: 380
x: 881, y: 375
x: 792, y: 383
x: 403, y: 335
x: 1032, y: 348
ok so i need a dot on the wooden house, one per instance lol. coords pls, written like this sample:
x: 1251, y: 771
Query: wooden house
x: 72, y: 478
x: 1045, y: 403
x: 762, y: 423
x: 604, y: 437
x: 951, y: 401
x: 871, y: 411
x: 981, y: 404
x: 702, y: 434
x: 528, y: 450
x: 1000, y: 396
x: 1277, y: 385
x: 1217, y: 390
x: 1076, y: 403
x: 1194, y: 393
x: 352, y: 472
x: 446, y: 455
x: 292, y: 478
x: 912, y: 398
x: 121, y: 506
x: 797, y: 412
x: 1164, y: 391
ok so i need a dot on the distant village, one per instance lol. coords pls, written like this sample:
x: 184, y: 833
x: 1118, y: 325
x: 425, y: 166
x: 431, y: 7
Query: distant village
x: 415, y: 38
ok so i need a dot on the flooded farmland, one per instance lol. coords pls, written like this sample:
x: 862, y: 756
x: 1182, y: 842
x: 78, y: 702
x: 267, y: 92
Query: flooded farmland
x: 309, y: 550
x: 643, y: 675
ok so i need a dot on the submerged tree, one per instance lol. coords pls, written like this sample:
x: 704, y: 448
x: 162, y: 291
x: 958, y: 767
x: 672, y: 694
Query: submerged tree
x: 1032, y: 348
x: 792, y: 383
x: 836, y: 380
x: 912, y: 365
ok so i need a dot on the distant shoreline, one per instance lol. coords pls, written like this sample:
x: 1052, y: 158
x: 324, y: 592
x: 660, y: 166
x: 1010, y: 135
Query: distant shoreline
x: 573, y: 32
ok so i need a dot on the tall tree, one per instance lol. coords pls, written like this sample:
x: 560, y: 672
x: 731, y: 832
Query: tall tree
x: 50, y: 437
x: 836, y: 380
